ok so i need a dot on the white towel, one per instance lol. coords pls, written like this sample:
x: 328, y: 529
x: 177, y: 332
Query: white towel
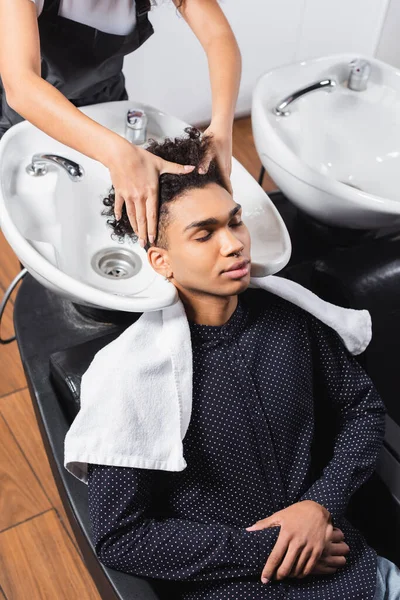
x: 136, y: 395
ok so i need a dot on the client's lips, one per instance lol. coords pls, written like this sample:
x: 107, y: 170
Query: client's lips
x: 238, y: 269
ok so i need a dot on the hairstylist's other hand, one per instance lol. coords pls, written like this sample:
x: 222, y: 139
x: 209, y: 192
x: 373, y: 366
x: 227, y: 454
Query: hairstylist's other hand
x: 134, y: 174
x: 332, y: 558
x: 305, y: 528
x: 221, y: 149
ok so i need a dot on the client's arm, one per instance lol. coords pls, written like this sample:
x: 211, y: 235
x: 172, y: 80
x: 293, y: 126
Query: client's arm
x: 127, y: 538
x: 361, y: 420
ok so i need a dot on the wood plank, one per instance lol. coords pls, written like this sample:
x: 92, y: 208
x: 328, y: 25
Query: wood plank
x: 21, y: 494
x: 9, y: 265
x: 39, y: 561
x: 20, y: 417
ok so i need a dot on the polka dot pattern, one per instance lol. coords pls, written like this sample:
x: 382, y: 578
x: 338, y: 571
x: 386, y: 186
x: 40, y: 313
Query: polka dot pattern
x: 248, y: 450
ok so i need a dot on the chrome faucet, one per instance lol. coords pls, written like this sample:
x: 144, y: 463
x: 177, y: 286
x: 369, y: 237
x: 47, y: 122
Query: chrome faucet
x: 328, y: 84
x: 37, y: 168
x: 360, y: 70
x: 136, y: 126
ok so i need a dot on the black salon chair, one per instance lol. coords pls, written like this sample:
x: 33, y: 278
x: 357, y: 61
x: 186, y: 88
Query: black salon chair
x: 57, y: 343
x: 367, y: 275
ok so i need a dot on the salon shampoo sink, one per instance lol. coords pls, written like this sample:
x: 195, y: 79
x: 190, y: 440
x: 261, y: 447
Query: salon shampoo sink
x: 337, y: 155
x: 56, y: 228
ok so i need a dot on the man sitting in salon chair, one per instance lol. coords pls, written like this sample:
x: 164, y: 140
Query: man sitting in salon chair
x: 248, y: 517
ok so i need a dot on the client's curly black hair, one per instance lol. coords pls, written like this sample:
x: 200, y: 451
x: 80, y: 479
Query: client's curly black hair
x: 189, y: 150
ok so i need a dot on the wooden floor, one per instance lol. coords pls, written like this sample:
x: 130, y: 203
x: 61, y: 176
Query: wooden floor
x: 39, y: 556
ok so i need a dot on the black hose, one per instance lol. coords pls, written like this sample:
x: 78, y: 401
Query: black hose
x: 6, y: 296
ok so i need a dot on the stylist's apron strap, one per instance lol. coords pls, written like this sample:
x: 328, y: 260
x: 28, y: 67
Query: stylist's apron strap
x: 83, y: 63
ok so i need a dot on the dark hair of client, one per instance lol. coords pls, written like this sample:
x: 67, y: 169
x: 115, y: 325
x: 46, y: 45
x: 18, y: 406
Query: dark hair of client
x: 189, y: 150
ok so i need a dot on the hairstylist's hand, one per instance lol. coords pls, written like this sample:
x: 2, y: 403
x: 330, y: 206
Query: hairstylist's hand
x: 305, y: 528
x: 332, y: 558
x: 221, y: 149
x: 134, y: 174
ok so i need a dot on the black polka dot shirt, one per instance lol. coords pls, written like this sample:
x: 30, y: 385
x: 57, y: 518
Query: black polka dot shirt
x: 264, y: 384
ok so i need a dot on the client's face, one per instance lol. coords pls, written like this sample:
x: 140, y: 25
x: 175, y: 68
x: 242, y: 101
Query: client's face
x: 204, y: 233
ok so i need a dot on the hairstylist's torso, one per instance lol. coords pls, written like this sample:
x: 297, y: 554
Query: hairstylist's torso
x: 83, y: 45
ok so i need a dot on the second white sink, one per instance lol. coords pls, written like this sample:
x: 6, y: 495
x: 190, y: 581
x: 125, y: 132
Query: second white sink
x: 337, y: 155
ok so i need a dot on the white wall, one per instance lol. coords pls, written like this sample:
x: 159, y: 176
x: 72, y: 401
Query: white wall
x: 170, y: 70
x: 330, y: 26
x: 388, y: 48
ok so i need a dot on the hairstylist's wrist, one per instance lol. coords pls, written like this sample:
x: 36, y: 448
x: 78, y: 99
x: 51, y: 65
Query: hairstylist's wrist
x: 222, y: 124
x: 114, y: 149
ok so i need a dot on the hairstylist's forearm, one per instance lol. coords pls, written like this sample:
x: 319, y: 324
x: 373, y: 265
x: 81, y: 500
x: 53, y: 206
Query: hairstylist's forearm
x: 225, y: 66
x: 211, y: 27
x: 47, y: 108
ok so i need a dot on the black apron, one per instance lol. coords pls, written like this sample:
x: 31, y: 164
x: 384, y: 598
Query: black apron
x: 85, y: 64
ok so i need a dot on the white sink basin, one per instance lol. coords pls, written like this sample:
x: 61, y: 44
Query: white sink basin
x: 56, y: 229
x: 337, y: 155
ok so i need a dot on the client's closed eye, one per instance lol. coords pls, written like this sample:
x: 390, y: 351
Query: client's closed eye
x: 207, y: 237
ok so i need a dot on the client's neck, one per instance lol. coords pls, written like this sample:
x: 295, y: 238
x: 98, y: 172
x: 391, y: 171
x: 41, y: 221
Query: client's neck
x: 205, y: 309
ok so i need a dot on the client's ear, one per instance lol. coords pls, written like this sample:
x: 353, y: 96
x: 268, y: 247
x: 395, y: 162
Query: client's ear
x: 158, y: 259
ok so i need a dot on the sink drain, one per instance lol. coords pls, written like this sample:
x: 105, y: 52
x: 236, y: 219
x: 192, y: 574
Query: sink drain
x: 116, y: 264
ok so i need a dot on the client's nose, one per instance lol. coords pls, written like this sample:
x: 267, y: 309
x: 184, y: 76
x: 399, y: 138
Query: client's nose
x: 231, y: 244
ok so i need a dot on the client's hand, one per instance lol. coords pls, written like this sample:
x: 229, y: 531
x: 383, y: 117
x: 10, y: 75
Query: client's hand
x: 331, y: 559
x: 305, y: 528
x: 134, y: 174
x: 221, y: 149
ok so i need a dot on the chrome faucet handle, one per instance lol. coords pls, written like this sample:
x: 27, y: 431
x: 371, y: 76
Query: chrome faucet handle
x: 360, y: 65
x: 37, y: 168
x: 360, y: 70
x: 136, y: 126
x: 325, y: 84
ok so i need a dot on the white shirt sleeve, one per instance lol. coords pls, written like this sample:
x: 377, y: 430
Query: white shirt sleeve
x: 39, y: 6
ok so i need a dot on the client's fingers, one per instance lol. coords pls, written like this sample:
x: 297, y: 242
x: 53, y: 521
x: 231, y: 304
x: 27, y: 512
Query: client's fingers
x: 336, y: 549
x: 332, y: 561
x: 300, y: 563
x: 337, y: 535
